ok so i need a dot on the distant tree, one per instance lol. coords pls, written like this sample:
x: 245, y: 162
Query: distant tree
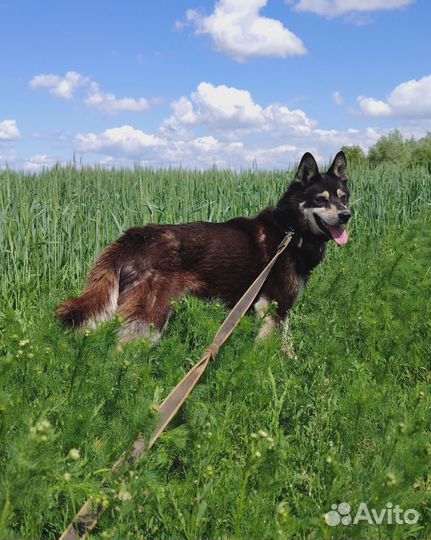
x: 421, y: 151
x: 390, y: 148
x: 354, y: 154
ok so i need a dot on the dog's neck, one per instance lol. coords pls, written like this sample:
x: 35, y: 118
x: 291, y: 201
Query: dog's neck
x: 285, y: 222
x: 309, y: 247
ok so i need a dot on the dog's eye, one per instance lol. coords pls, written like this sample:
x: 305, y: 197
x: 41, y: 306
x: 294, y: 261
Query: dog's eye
x: 343, y: 199
x: 320, y: 199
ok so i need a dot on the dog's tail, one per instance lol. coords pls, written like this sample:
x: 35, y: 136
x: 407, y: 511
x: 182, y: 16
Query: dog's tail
x: 98, y: 302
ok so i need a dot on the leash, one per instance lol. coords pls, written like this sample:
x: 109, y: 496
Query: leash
x: 86, y: 519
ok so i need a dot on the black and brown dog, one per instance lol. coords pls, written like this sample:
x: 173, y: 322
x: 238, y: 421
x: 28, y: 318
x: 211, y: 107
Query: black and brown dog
x: 139, y: 274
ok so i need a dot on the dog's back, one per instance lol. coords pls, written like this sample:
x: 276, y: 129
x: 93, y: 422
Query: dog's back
x: 144, y: 270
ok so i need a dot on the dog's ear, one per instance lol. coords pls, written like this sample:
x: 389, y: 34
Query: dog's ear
x: 339, y: 166
x: 307, y: 169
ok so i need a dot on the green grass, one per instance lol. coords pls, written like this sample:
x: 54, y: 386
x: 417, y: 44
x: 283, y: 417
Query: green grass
x: 349, y: 420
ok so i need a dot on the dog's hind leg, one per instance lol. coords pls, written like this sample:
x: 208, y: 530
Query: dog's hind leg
x: 146, y: 308
x: 98, y: 302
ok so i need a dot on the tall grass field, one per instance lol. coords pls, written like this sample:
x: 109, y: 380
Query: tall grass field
x: 265, y: 445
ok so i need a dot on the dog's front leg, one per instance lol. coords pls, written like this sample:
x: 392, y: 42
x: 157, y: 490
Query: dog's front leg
x: 269, y: 321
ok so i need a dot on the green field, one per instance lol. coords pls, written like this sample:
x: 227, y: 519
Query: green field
x: 265, y: 444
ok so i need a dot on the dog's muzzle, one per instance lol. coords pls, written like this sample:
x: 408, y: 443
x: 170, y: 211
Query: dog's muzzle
x: 344, y: 216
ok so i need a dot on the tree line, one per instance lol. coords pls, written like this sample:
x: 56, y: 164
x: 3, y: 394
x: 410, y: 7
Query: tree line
x: 393, y: 148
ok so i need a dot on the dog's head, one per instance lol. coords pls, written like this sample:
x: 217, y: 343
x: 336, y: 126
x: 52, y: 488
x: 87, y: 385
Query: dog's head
x: 318, y: 202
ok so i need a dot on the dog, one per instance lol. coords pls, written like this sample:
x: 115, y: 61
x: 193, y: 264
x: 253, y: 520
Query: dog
x: 142, y: 272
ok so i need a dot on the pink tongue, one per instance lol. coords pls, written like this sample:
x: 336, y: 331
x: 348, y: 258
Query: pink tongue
x: 339, y: 234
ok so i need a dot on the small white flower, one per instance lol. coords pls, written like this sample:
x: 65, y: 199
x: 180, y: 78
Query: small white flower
x: 74, y: 454
x: 123, y: 494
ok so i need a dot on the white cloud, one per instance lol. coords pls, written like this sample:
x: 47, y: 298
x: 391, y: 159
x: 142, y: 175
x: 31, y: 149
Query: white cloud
x: 224, y: 126
x: 273, y: 157
x: 238, y: 30
x: 333, y: 138
x: 233, y: 111
x: 108, y: 103
x: 39, y: 162
x: 334, y: 8
x: 65, y: 87
x: 9, y: 130
x: 126, y: 145
x: 238, y: 132
x: 203, y: 152
x: 62, y: 87
x: 8, y: 158
x: 374, y: 107
x: 337, y: 97
x: 124, y: 140
x: 411, y: 99
x: 280, y: 119
x: 112, y: 149
x: 218, y: 106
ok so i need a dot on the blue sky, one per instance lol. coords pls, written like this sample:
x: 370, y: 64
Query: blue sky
x: 197, y: 83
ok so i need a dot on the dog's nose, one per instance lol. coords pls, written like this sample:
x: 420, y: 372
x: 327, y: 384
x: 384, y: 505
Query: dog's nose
x: 344, y: 216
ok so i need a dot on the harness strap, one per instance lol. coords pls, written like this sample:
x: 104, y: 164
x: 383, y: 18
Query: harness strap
x: 87, y: 517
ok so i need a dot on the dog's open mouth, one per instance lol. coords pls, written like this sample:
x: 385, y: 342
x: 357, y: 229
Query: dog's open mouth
x: 333, y: 232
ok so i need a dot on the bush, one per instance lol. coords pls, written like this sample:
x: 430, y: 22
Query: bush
x: 421, y: 153
x: 354, y: 154
x: 392, y: 148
